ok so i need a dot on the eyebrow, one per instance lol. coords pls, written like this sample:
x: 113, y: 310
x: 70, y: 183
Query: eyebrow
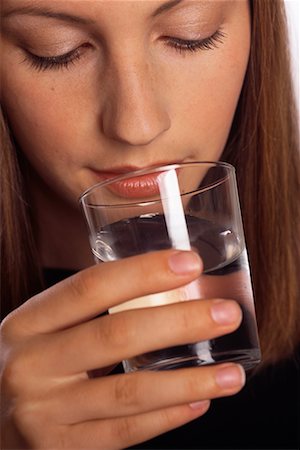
x: 165, y: 7
x: 41, y: 11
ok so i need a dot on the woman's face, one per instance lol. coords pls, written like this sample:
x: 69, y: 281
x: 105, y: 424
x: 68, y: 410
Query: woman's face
x: 94, y: 88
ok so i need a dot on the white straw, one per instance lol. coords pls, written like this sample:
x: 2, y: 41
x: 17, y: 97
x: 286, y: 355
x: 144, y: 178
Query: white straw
x: 173, y: 210
x: 176, y: 223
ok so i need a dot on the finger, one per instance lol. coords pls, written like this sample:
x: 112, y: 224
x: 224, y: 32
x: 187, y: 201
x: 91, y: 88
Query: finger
x: 127, y: 431
x: 110, y: 339
x: 94, y: 290
x: 141, y: 392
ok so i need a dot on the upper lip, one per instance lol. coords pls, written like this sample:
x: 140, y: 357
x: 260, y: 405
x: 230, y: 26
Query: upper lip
x: 130, y: 168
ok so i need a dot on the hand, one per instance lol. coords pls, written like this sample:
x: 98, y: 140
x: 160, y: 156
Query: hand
x: 51, y: 342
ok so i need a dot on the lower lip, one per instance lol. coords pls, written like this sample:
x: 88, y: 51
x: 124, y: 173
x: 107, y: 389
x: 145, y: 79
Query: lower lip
x: 143, y: 186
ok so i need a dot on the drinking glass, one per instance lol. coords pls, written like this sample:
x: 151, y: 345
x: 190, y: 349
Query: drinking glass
x: 183, y: 206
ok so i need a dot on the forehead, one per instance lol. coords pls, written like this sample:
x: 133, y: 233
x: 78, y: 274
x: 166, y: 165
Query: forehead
x: 11, y: 7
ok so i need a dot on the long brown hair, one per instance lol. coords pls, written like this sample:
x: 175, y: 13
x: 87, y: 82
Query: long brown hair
x: 263, y: 146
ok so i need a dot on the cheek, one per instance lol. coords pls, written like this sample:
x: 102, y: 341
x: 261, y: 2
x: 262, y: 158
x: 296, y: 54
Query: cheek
x: 213, y: 112
x: 45, y: 122
x: 207, y: 108
x: 206, y: 95
x: 36, y: 117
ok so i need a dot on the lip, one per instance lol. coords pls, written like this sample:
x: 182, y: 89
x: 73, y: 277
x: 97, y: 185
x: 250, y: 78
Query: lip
x: 140, y: 186
x: 143, y: 186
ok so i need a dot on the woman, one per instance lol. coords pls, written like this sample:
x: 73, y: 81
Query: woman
x: 91, y: 88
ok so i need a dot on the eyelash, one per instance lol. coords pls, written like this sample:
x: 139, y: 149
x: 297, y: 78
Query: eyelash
x: 42, y: 63
x: 209, y: 43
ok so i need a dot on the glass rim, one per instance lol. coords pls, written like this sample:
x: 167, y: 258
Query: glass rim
x: 152, y: 169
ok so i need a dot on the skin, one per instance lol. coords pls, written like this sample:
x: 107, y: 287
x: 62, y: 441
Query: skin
x: 127, y: 96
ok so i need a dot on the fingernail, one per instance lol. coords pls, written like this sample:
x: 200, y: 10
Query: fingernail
x: 225, y: 312
x: 231, y: 376
x: 199, y: 405
x: 183, y: 263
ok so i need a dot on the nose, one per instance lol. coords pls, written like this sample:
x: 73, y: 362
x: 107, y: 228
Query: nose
x: 133, y: 113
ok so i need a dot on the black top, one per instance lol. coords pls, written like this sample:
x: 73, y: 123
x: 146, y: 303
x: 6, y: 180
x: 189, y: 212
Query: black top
x: 264, y: 415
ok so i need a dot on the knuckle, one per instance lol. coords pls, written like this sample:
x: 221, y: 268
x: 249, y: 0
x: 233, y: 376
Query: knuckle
x: 5, y: 328
x: 149, y: 271
x: 103, y: 333
x: 124, y: 332
x: 116, y: 331
x: 35, y: 423
x: 125, y: 391
x: 168, y: 417
x: 9, y: 328
x: 144, y: 268
x: 81, y: 283
x: 13, y: 372
x: 183, y: 317
x: 23, y: 415
x: 126, y: 429
x: 192, y: 386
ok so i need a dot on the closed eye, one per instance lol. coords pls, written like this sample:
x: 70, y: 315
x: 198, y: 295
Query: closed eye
x: 209, y: 43
x: 42, y: 63
x: 57, y: 62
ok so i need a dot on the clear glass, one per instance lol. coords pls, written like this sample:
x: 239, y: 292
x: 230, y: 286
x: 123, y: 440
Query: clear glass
x: 182, y: 206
